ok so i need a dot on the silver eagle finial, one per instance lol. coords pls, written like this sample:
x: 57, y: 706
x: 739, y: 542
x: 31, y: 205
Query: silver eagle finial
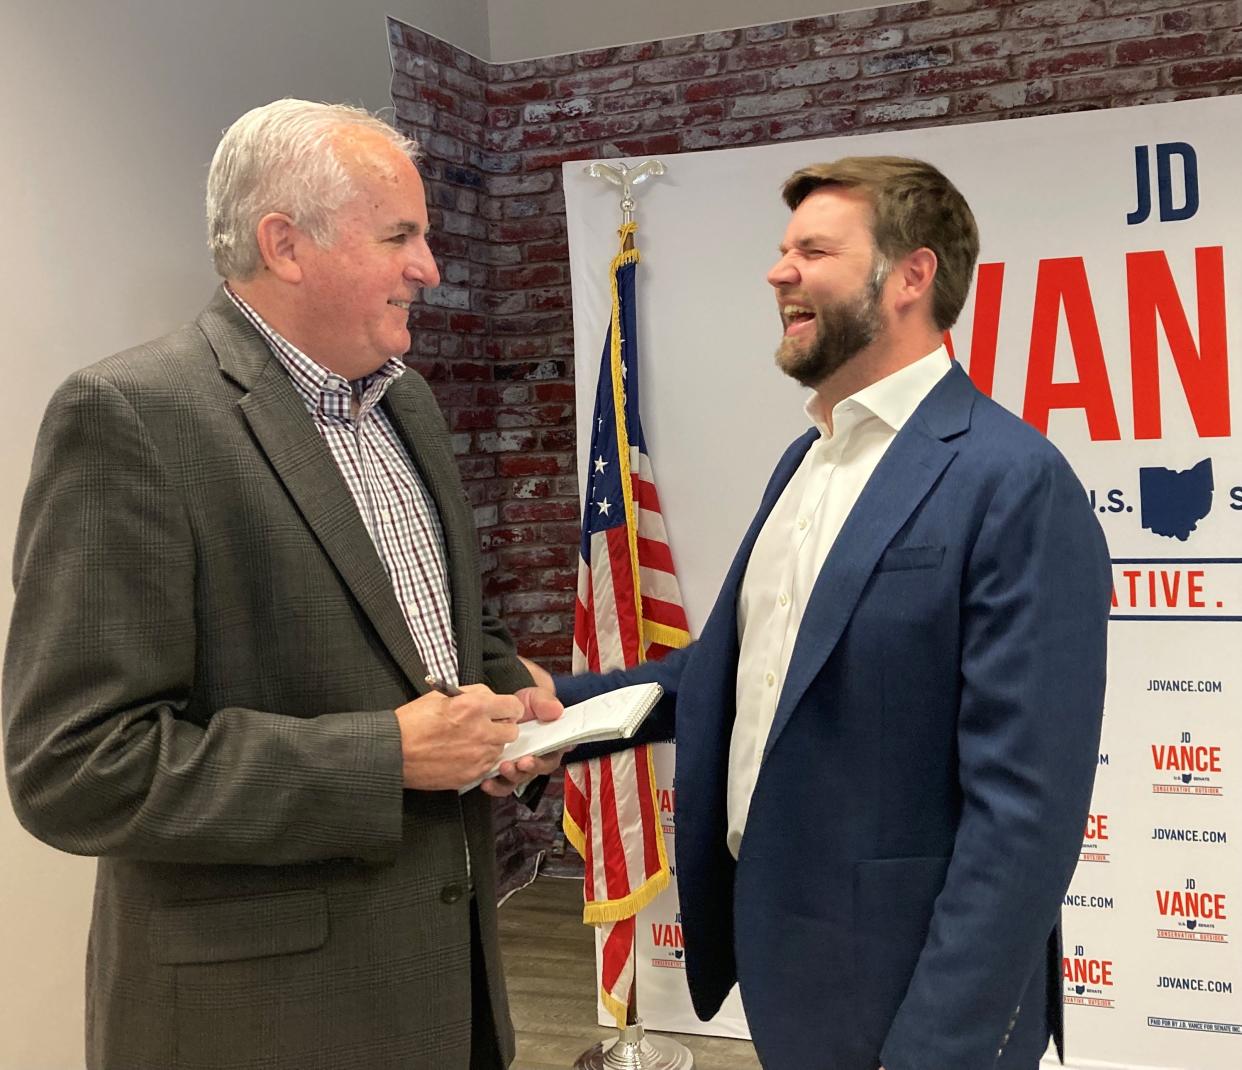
x: 627, y: 178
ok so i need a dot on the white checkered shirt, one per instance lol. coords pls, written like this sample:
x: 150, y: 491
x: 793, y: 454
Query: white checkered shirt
x: 395, y: 506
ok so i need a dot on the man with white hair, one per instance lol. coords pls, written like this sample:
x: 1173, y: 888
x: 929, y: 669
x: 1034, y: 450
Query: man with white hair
x: 243, y: 553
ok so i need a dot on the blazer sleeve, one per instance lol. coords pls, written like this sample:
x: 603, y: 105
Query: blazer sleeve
x: 1035, y: 605
x: 659, y: 727
x: 102, y: 755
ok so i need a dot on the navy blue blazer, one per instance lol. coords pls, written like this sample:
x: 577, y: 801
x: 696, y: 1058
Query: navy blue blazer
x: 923, y: 794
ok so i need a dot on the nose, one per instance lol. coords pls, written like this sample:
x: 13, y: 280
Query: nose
x: 783, y: 272
x: 421, y: 267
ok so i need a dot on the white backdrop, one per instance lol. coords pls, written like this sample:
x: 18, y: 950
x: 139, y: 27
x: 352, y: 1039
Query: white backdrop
x: 1153, y: 978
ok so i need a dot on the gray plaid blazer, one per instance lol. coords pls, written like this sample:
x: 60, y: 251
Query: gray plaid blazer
x: 204, y: 657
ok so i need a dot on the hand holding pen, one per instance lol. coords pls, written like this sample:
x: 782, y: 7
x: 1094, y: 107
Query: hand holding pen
x: 443, y: 687
x: 450, y: 740
x: 537, y: 704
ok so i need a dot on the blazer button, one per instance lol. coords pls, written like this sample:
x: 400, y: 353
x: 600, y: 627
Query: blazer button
x: 450, y: 893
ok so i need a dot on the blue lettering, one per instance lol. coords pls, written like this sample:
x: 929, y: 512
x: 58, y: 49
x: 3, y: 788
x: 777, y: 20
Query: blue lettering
x: 1142, y: 185
x: 1190, y: 176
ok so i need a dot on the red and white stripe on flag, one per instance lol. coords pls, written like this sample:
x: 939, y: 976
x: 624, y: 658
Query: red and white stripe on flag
x: 628, y: 610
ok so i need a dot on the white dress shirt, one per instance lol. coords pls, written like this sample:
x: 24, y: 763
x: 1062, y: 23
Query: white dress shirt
x: 791, y: 550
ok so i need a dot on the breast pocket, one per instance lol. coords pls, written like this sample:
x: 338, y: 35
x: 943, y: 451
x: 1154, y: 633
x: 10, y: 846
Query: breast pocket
x: 908, y: 558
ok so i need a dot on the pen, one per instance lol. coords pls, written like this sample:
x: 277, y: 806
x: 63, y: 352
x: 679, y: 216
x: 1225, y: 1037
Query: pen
x: 452, y: 691
x: 445, y: 688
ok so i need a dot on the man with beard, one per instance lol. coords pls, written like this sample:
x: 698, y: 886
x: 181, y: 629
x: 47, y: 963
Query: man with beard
x: 887, y: 733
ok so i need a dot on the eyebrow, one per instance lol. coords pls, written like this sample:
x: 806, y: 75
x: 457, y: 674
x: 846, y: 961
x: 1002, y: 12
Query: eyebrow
x: 808, y: 242
x: 410, y: 227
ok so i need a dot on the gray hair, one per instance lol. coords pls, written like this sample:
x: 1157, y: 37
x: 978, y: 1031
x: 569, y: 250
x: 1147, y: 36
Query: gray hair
x: 280, y: 158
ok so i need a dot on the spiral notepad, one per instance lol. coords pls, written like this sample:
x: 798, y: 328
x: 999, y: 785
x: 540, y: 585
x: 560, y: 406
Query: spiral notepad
x: 612, y: 715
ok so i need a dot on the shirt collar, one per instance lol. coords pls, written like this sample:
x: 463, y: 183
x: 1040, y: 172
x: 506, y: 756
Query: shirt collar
x: 323, y: 391
x: 892, y: 399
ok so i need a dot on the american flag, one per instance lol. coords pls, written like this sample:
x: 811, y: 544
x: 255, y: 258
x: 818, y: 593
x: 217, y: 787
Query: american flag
x: 629, y: 610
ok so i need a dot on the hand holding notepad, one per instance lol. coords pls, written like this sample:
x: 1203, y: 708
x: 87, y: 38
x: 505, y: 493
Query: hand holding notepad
x: 612, y: 715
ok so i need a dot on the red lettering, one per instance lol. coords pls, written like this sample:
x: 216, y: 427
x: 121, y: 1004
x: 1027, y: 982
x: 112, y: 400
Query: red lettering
x: 1062, y: 283
x: 1170, y: 593
x: 1097, y: 827
x: 1186, y: 758
x: 1204, y: 368
x: 986, y: 326
x: 1160, y: 588
x: 1088, y: 971
x: 666, y: 935
x: 1190, y: 904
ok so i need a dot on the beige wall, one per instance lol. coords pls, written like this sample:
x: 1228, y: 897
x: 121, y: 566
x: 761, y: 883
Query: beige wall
x: 525, y: 29
x: 111, y: 114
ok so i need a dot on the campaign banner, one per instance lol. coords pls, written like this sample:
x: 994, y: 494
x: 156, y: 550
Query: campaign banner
x: 1105, y: 313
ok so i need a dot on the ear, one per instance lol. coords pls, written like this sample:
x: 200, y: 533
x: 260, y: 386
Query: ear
x: 279, y: 242
x: 915, y: 272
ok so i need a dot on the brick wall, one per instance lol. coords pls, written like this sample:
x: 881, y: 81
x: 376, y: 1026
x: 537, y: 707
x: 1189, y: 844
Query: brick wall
x: 495, y: 339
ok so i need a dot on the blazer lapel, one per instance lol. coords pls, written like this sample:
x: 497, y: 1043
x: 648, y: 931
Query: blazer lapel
x: 286, y: 434
x: 906, y: 473
x: 719, y: 635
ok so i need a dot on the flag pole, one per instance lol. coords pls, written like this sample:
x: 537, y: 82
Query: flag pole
x: 632, y: 1048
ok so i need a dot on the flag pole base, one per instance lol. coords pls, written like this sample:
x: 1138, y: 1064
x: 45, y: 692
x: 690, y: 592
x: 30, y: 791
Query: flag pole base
x: 634, y: 1050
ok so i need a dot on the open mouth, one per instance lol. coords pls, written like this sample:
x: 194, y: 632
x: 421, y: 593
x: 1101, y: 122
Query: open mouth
x: 796, y: 318
x: 401, y: 304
